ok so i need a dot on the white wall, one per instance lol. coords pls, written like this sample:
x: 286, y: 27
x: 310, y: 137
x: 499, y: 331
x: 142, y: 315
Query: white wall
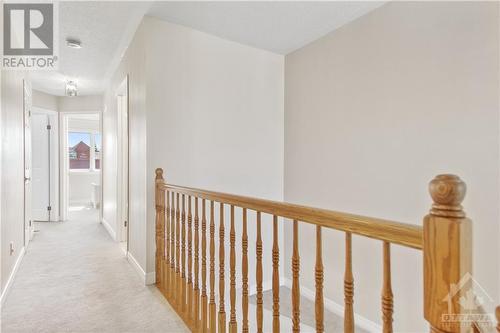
x: 209, y: 111
x: 373, y: 112
x: 133, y: 65
x: 12, y: 175
x: 45, y: 101
x: 80, y: 103
x: 215, y: 121
x: 80, y: 187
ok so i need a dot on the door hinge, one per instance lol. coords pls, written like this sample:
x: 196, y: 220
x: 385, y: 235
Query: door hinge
x: 125, y: 223
x: 30, y: 223
x: 49, y: 127
x: 49, y: 208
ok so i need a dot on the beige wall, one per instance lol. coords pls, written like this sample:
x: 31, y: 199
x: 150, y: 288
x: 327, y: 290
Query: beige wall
x: 375, y: 110
x: 207, y: 110
x: 12, y: 171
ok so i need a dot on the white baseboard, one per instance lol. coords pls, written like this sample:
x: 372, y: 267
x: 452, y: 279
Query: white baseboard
x: 150, y: 278
x: 147, y: 278
x: 266, y: 285
x: 360, y: 321
x: 8, y: 285
x: 110, y: 230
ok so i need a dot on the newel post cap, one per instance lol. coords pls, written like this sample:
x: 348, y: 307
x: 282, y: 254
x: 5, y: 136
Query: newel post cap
x: 159, y: 174
x: 447, y: 192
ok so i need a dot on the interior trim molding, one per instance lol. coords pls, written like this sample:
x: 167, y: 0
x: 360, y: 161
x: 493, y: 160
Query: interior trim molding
x: 108, y: 228
x: 12, y: 275
x: 146, y: 278
x: 359, y: 320
x: 150, y: 278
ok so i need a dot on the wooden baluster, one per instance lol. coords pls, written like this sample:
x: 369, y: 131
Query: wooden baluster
x: 160, y: 227
x: 244, y: 269
x: 387, y: 297
x: 196, y: 266
x: 295, y: 281
x: 232, y: 260
x: 222, y: 311
x: 211, y: 305
x: 171, y: 269
x: 447, y: 253
x: 183, y: 256
x: 319, y: 306
x: 190, y: 263
x: 260, y: 310
x: 166, y: 263
x: 348, y: 286
x: 172, y: 248
x: 276, y: 277
x: 178, y: 288
x: 204, y: 301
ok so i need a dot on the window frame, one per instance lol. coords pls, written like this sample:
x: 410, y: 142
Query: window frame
x: 92, y: 156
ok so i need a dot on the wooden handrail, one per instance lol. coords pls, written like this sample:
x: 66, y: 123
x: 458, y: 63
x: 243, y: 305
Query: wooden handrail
x: 393, y: 232
x: 445, y: 240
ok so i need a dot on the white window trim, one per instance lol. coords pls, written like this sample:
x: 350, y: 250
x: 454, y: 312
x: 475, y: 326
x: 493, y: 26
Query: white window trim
x: 92, y: 169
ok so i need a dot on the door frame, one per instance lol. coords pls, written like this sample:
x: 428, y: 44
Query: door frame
x: 28, y: 225
x: 123, y: 159
x: 63, y: 159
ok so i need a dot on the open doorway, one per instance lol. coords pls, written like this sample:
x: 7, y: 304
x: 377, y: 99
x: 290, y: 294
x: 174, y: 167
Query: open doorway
x: 81, y: 143
x: 123, y: 164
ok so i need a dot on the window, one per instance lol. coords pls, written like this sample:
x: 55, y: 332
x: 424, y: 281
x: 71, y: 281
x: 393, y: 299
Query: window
x: 84, y: 151
x: 97, y: 141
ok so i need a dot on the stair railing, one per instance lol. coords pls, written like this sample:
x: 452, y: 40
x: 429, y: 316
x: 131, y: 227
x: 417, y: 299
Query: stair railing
x: 445, y: 241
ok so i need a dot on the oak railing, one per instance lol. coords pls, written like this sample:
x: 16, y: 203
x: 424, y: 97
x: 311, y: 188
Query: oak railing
x: 186, y: 267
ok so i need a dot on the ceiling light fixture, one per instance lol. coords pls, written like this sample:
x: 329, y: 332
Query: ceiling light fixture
x: 71, y: 89
x: 73, y: 43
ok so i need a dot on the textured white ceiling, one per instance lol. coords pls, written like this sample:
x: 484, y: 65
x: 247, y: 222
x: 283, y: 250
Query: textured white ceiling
x: 277, y: 26
x: 105, y: 29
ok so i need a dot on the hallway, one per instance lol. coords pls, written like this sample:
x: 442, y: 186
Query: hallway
x: 74, y: 278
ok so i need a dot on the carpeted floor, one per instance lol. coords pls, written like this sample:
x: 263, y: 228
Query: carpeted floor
x: 74, y: 278
x: 333, y: 323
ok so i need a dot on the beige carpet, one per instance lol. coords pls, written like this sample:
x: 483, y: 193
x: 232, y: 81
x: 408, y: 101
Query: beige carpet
x: 74, y: 278
x: 333, y: 323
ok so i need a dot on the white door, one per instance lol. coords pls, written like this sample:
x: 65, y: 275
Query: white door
x: 29, y: 228
x: 123, y: 175
x: 125, y: 161
x: 40, y: 162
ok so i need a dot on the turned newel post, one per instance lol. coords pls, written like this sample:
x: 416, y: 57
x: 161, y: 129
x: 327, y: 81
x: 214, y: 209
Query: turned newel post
x: 497, y: 314
x: 160, y: 225
x: 447, y: 255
